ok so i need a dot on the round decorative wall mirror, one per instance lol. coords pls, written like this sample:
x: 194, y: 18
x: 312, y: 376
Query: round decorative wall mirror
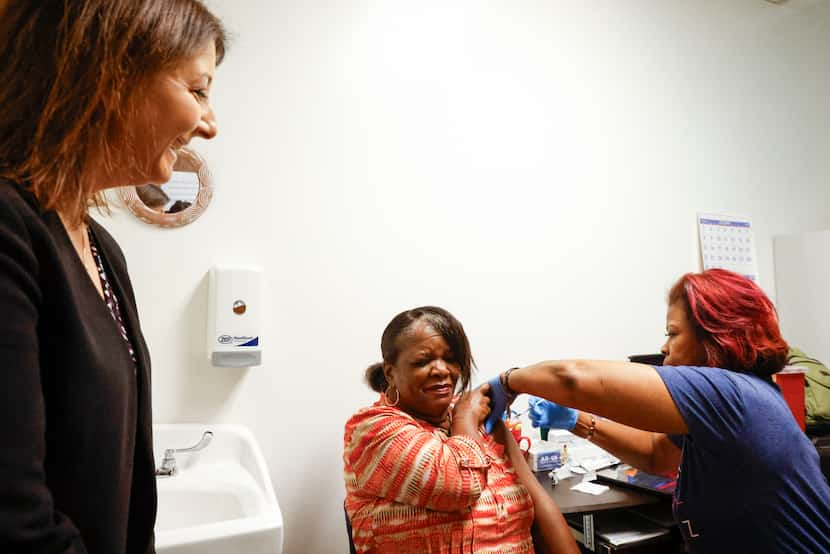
x: 180, y: 200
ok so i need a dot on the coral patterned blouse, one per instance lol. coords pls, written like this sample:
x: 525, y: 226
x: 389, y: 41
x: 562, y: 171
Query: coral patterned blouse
x: 412, y: 488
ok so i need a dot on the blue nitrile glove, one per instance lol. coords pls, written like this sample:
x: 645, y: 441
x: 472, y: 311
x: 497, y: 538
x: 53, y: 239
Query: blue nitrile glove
x: 544, y: 413
x: 499, y: 401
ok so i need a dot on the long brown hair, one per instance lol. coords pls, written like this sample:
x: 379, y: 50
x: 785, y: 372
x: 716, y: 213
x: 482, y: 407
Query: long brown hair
x: 71, y: 72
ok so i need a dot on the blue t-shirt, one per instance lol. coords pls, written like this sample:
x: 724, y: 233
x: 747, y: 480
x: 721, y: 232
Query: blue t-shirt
x: 750, y: 479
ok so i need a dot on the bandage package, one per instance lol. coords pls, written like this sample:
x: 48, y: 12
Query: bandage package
x: 544, y: 455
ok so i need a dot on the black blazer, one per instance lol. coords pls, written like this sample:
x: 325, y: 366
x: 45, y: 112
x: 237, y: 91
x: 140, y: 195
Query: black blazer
x: 76, y: 460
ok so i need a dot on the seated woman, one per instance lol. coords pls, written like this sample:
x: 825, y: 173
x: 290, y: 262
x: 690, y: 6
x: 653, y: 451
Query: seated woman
x: 421, y: 475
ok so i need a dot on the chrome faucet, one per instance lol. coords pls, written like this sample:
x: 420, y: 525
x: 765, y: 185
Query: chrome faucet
x: 168, y: 465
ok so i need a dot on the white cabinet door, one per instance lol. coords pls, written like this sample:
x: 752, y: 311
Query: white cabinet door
x: 802, y: 288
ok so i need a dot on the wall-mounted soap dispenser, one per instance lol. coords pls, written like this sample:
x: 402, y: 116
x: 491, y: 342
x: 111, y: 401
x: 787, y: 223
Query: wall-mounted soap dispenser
x: 234, y: 320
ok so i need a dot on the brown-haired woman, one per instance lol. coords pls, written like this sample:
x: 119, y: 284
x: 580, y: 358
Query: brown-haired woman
x: 421, y: 474
x: 95, y: 94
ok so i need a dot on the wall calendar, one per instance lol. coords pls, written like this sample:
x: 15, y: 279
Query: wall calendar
x: 727, y: 242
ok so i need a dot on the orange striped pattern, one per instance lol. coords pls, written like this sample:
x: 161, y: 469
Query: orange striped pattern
x: 412, y: 488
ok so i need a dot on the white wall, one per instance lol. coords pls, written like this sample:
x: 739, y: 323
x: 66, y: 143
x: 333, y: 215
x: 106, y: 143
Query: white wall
x: 802, y: 274
x: 533, y: 166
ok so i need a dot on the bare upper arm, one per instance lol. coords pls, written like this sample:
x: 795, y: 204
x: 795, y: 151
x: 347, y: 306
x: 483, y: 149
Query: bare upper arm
x: 629, y: 393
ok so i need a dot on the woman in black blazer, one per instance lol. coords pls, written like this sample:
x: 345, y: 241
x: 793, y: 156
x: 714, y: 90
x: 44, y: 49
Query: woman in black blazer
x: 95, y: 94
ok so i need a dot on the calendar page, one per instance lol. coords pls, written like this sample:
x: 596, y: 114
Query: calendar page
x: 727, y: 242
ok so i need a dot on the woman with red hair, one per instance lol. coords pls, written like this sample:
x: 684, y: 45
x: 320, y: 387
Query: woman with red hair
x: 749, y: 479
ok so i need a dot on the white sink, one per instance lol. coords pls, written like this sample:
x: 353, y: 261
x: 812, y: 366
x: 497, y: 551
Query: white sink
x: 220, y: 499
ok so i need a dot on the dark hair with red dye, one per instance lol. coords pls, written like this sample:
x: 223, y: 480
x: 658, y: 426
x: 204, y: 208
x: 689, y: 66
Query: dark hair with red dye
x: 735, y: 321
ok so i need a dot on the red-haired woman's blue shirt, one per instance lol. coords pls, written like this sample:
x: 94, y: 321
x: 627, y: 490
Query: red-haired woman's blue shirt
x: 750, y: 479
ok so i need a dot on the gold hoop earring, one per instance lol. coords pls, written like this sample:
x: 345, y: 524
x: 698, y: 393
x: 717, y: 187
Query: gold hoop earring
x: 397, y: 396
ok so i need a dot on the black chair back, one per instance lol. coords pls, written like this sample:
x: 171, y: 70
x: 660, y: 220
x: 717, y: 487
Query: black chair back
x: 349, y: 530
x: 823, y: 447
